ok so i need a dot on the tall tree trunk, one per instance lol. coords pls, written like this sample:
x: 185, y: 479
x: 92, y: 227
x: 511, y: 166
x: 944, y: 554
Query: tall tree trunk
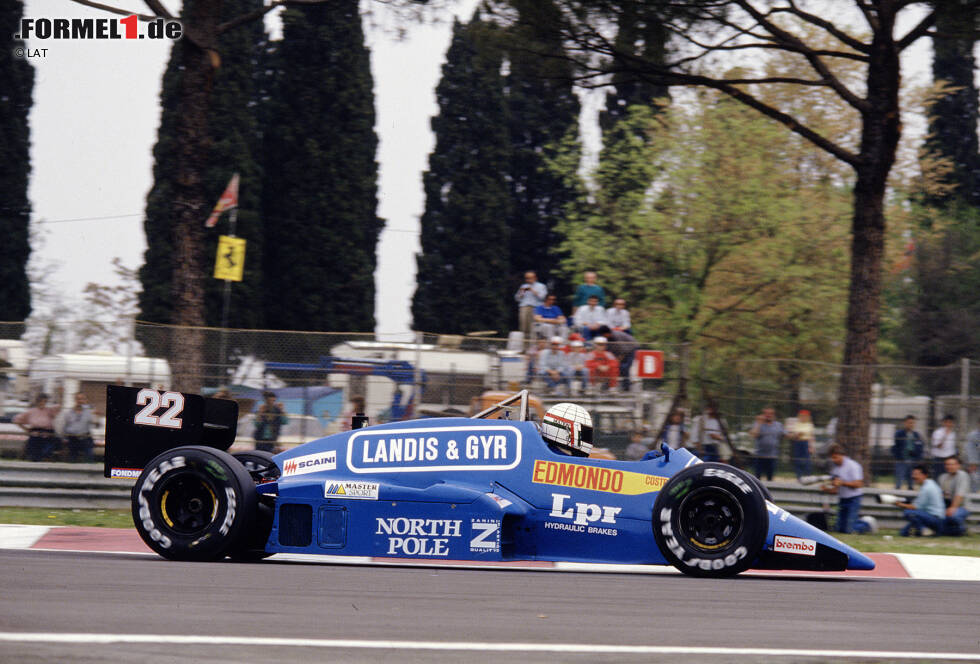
x: 197, y: 64
x: 881, y: 129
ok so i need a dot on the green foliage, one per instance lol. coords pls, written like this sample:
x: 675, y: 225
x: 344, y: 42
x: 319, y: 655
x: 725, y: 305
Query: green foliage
x: 501, y: 131
x: 15, y: 169
x: 953, y: 118
x: 461, y: 285
x: 640, y: 33
x: 320, y: 188
x: 704, y: 222
x: 938, y: 299
x: 542, y: 110
x: 233, y: 137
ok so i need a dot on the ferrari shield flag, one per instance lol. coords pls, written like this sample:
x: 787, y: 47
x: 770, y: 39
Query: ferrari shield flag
x: 229, y: 264
x: 228, y: 200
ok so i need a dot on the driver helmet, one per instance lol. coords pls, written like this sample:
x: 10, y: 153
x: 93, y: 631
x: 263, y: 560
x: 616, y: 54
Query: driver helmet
x: 569, y: 426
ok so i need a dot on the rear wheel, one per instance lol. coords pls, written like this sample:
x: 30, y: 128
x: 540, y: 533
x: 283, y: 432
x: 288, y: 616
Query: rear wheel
x: 259, y: 465
x: 194, y: 503
x: 710, y: 520
x: 262, y: 468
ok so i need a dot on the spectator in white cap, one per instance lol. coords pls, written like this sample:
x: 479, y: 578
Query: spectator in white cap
x: 552, y: 366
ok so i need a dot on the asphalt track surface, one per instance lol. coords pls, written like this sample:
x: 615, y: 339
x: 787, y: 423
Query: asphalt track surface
x: 344, y: 613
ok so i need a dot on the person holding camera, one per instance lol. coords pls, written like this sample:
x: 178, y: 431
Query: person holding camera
x: 531, y: 294
x: 269, y: 419
x: 927, y: 510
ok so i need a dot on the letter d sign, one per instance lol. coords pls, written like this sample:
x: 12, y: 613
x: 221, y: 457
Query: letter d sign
x: 649, y: 364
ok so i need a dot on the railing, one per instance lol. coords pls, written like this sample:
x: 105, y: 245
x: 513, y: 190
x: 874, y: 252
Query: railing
x: 61, y: 486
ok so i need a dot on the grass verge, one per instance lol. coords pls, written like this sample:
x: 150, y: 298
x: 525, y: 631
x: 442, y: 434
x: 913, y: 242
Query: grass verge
x: 888, y: 541
x: 40, y: 516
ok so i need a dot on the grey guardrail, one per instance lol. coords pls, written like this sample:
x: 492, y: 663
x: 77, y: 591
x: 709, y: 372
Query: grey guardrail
x: 78, y: 485
x: 61, y: 486
x: 802, y: 500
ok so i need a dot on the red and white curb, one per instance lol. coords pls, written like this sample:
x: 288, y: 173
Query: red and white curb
x: 124, y: 540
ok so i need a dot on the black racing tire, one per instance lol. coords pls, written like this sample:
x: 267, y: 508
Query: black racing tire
x: 259, y: 465
x: 710, y: 520
x: 262, y: 468
x: 194, y: 503
x: 758, y: 483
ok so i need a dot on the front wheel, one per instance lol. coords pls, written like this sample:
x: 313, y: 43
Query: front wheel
x: 710, y: 520
x: 194, y: 503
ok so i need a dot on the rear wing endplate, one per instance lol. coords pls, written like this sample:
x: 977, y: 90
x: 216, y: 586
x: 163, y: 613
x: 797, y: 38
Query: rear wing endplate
x: 142, y: 423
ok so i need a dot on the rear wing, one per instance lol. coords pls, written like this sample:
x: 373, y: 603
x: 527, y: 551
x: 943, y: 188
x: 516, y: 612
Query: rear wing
x: 142, y: 423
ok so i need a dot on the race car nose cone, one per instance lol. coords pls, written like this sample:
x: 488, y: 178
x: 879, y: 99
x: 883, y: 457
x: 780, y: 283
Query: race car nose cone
x: 857, y: 560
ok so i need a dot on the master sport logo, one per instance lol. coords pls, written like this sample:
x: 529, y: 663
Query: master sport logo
x: 352, y: 490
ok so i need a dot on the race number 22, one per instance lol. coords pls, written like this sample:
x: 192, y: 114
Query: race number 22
x: 152, y: 401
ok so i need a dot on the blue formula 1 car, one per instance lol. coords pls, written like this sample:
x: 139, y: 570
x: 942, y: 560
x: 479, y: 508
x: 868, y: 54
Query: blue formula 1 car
x: 492, y: 487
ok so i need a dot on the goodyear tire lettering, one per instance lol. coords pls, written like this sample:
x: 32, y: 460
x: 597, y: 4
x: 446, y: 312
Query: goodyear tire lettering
x: 703, y: 505
x: 168, y: 495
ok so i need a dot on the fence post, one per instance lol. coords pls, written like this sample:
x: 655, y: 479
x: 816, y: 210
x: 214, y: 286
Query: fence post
x: 962, y: 428
x: 417, y: 380
x: 873, y: 448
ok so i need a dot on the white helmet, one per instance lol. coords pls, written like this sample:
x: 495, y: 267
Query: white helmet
x: 570, y: 426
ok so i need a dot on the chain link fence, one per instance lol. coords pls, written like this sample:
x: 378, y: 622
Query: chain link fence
x: 321, y: 378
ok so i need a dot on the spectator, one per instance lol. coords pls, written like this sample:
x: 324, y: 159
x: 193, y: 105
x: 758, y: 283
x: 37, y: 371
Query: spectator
x: 674, y: 432
x: 927, y: 511
x: 357, y: 405
x: 552, y: 366
x: 223, y: 393
x: 848, y: 478
x: 624, y: 347
x: 955, y: 484
x: 77, y: 428
x: 576, y: 360
x: 549, y: 321
x: 973, y: 457
x: 588, y: 289
x: 602, y: 365
x: 590, y: 317
x: 531, y: 293
x: 803, y: 439
x: 533, y: 353
x: 708, y: 434
x: 636, y: 450
x: 618, y: 316
x: 38, y: 422
x: 269, y: 419
x: 908, y: 447
x: 943, y: 444
x: 768, y: 434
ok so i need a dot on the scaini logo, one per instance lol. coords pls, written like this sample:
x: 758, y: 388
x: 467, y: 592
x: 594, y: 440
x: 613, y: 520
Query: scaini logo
x: 310, y: 463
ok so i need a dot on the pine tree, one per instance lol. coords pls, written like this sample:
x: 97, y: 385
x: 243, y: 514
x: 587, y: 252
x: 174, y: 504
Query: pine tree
x: 15, y: 169
x: 463, y: 265
x: 953, y: 123
x: 232, y: 135
x: 320, y: 183
x: 642, y: 34
x: 543, y: 110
